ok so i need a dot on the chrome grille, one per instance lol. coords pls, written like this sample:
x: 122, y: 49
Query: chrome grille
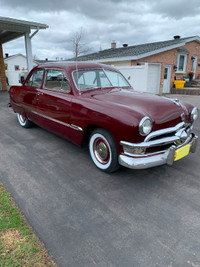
x: 173, y: 135
x: 160, y: 140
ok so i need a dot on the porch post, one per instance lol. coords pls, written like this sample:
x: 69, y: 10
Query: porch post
x: 3, y: 85
x: 29, y: 57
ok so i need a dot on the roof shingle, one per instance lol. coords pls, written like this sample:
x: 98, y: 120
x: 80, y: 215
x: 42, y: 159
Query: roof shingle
x: 135, y: 50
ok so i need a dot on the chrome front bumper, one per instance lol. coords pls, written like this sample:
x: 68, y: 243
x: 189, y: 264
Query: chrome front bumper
x: 156, y: 159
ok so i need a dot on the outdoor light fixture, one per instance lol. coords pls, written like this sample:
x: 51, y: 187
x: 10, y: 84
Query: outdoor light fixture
x: 175, y: 67
x: 192, y: 58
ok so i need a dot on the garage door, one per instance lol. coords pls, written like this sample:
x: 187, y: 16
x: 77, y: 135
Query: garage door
x: 153, y: 85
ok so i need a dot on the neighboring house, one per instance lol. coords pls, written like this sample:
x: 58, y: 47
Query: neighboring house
x: 16, y: 66
x: 168, y: 60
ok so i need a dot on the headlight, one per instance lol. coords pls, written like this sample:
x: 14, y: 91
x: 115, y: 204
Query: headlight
x: 145, y: 126
x: 194, y: 114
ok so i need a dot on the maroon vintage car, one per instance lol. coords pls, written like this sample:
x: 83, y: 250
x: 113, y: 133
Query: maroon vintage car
x: 93, y: 104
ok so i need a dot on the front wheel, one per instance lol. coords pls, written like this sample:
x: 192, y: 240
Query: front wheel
x: 103, y: 150
x: 23, y: 121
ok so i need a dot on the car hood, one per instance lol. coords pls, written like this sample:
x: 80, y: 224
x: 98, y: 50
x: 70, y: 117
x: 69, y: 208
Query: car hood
x: 160, y: 109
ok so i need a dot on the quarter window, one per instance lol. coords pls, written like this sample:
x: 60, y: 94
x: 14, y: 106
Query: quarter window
x: 56, y: 80
x: 35, y: 80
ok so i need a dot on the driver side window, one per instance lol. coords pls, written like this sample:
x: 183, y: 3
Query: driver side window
x: 35, y: 80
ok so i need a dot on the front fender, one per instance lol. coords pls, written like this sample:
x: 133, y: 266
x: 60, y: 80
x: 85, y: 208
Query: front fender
x: 121, y: 122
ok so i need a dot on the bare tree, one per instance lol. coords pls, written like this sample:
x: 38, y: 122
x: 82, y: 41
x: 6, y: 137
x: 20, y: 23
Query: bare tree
x: 79, y: 47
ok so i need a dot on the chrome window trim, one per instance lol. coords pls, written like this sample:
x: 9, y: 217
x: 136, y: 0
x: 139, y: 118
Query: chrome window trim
x: 52, y: 89
x: 75, y: 127
x: 81, y: 69
x: 102, y: 69
x: 31, y: 74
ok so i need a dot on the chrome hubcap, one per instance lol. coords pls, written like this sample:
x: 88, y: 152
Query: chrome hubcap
x: 101, y: 151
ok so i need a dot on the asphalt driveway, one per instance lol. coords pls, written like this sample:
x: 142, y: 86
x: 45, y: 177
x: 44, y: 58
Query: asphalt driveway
x: 88, y: 218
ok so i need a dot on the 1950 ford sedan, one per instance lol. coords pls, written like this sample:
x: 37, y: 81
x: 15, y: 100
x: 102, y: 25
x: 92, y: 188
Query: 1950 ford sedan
x: 94, y: 104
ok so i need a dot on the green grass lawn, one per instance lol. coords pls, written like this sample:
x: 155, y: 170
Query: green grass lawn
x: 18, y: 244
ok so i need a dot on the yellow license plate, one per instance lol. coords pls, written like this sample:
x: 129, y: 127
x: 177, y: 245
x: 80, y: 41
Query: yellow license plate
x: 182, y: 152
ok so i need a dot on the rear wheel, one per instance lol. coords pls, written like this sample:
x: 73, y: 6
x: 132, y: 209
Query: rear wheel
x: 23, y: 121
x: 103, y: 150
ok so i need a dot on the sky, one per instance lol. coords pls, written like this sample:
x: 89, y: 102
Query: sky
x: 101, y: 22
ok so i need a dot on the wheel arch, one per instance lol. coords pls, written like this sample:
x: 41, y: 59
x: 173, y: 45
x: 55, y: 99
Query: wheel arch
x: 89, y: 129
x: 87, y: 132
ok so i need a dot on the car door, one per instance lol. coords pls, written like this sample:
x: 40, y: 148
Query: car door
x: 29, y: 94
x: 54, y: 102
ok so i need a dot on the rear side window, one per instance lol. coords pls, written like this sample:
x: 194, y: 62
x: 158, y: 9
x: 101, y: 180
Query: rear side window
x: 56, y: 80
x: 35, y: 80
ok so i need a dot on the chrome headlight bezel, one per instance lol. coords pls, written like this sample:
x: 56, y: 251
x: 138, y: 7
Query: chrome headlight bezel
x: 194, y: 114
x: 145, y: 126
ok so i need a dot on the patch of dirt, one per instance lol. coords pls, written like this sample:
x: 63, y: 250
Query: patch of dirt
x: 10, y: 238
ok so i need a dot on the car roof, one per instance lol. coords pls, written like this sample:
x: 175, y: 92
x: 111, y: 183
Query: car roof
x: 74, y: 65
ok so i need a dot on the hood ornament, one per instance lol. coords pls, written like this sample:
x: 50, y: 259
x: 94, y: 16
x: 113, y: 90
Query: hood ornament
x: 174, y: 100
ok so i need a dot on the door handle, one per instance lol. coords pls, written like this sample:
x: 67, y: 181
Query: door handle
x: 39, y: 93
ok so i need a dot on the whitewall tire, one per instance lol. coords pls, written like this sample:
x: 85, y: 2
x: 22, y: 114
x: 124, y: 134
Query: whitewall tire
x: 103, y: 150
x: 23, y: 121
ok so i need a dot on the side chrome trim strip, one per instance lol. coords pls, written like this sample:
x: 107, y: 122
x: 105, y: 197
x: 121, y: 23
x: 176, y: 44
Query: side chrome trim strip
x: 75, y: 127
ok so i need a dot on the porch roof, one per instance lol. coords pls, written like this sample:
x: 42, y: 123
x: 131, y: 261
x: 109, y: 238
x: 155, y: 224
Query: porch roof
x: 11, y: 29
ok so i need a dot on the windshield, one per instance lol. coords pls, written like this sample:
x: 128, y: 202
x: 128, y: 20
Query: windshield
x: 98, y: 78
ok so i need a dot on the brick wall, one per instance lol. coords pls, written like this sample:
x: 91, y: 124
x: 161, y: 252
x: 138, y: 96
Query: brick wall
x: 169, y: 58
x: 2, y: 70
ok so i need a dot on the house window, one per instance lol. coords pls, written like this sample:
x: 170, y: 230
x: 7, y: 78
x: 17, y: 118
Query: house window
x: 181, y: 63
x: 16, y: 67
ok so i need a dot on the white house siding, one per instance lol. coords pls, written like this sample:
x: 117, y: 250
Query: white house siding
x: 136, y: 75
x: 12, y: 74
x: 153, y: 78
x: 143, y: 78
